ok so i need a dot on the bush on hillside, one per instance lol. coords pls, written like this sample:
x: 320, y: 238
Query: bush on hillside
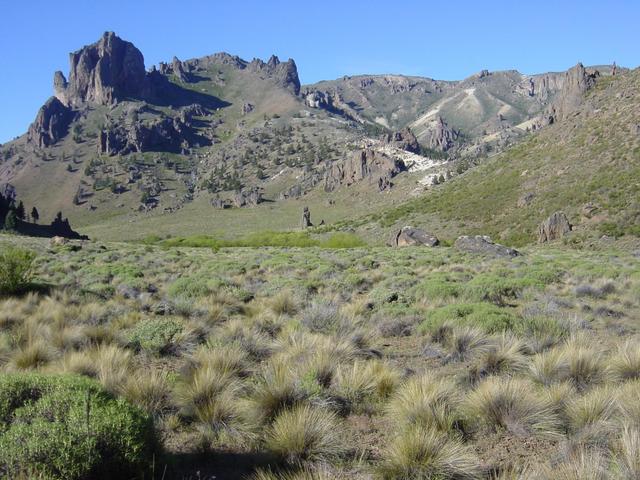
x: 16, y: 268
x: 68, y: 427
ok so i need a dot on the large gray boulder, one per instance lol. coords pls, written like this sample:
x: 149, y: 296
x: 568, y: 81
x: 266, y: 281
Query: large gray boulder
x: 375, y: 167
x: 483, y: 245
x: 410, y: 236
x: 554, y: 227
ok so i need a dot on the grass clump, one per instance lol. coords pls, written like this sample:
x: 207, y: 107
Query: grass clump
x: 67, y: 427
x: 423, y: 453
x: 304, y: 433
x: 426, y: 401
x: 510, y: 404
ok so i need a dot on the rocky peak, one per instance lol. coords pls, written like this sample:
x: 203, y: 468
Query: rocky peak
x: 575, y: 83
x: 284, y: 73
x: 103, y: 72
x: 442, y: 137
x: 51, y: 123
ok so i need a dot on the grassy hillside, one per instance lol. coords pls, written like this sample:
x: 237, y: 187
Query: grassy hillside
x: 591, y: 157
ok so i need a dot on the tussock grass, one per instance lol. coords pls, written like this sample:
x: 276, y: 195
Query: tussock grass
x: 304, y: 433
x: 423, y: 453
x: 624, y: 364
x: 426, y: 401
x: 510, y: 404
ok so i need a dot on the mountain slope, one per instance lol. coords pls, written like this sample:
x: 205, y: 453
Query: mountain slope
x: 587, y: 164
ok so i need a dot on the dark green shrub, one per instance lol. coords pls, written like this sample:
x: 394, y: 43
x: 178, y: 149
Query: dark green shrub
x: 68, y: 427
x: 16, y: 268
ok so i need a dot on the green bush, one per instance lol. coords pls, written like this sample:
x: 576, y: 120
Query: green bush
x: 154, y: 335
x: 68, y: 427
x: 485, y: 316
x: 16, y: 268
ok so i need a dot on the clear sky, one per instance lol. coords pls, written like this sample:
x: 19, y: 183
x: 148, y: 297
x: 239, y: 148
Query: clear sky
x: 441, y: 39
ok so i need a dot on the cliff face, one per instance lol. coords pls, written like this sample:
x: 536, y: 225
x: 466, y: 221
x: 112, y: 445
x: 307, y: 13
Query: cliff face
x: 103, y: 72
x: 51, y: 123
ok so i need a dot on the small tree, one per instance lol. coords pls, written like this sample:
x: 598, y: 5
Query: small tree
x: 35, y: 215
x: 11, y: 220
x: 20, y: 211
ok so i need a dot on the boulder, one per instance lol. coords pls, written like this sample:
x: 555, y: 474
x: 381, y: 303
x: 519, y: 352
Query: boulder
x: 483, y: 245
x: 58, y: 241
x: 554, y: 227
x: 410, y: 236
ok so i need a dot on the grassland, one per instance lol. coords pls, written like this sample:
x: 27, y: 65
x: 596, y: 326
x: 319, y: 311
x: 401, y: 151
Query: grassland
x: 300, y: 363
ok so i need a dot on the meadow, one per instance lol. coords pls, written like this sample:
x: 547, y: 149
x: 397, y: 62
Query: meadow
x: 196, y: 359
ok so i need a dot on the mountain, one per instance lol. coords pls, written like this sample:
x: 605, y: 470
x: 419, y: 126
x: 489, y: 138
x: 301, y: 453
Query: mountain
x: 190, y: 144
x: 586, y: 163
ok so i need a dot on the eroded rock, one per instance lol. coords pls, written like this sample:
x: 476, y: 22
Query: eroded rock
x: 483, y: 245
x: 554, y: 227
x: 410, y: 236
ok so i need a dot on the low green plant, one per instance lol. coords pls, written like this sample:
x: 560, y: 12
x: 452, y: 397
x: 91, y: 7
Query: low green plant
x: 154, y: 335
x: 68, y: 427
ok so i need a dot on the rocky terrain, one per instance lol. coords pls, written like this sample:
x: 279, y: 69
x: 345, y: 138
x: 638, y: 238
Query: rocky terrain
x: 122, y: 141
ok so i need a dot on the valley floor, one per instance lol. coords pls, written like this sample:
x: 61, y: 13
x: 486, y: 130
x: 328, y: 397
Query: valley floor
x: 347, y: 363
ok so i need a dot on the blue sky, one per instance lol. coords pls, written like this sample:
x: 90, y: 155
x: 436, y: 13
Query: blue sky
x: 444, y: 39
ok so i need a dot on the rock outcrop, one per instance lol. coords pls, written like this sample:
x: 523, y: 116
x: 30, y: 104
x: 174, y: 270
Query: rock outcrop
x: 404, y: 140
x: 248, y: 198
x: 102, y: 73
x: 442, y: 137
x: 377, y: 168
x: 410, y: 236
x: 306, y: 218
x: 576, y: 82
x: 51, y: 123
x: 179, y: 70
x: 284, y: 73
x: 482, y: 244
x: 554, y: 227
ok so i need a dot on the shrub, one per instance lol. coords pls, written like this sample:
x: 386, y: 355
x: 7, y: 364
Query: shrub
x: 67, y: 427
x: 16, y: 269
x: 423, y: 453
x: 486, y: 316
x: 321, y: 316
x: 305, y: 433
x: 154, y: 335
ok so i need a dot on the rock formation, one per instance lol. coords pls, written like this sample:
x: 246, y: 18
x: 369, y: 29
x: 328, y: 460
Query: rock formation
x: 377, y: 168
x: 248, y: 198
x: 306, y: 218
x: 404, y: 140
x: 51, y: 123
x: 179, y: 70
x: 482, y: 244
x: 285, y: 73
x: 442, y: 137
x: 576, y: 82
x: 554, y: 227
x: 410, y: 236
